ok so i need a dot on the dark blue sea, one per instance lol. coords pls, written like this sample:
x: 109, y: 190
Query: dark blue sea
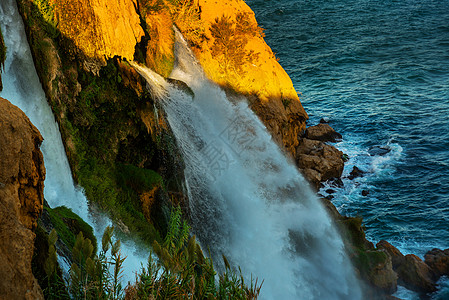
x: 379, y: 71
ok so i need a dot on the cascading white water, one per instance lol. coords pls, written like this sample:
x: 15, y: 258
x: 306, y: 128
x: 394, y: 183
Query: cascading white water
x: 247, y: 200
x: 21, y: 87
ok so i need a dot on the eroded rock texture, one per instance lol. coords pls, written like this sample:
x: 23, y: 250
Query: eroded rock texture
x: 22, y: 176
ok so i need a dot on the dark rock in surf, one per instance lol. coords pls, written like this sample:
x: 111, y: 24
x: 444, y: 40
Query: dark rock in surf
x: 324, y: 120
x: 379, y: 150
x: 356, y: 172
x: 322, y: 132
x: 438, y: 261
x: 416, y: 275
x: 336, y: 182
x: 365, y: 193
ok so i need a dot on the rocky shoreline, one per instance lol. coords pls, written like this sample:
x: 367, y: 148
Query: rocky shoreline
x: 381, y: 267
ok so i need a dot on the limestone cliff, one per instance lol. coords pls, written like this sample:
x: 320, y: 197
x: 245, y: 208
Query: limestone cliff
x: 22, y: 176
x: 100, y: 29
x: 234, y: 54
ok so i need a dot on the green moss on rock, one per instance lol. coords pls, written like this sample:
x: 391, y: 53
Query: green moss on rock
x: 68, y: 224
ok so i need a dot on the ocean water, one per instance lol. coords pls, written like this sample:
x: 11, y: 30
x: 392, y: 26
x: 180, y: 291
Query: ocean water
x: 379, y: 70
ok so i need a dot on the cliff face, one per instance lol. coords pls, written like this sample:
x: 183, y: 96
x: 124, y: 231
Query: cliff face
x: 100, y: 29
x: 234, y: 54
x: 225, y: 37
x: 22, y: 176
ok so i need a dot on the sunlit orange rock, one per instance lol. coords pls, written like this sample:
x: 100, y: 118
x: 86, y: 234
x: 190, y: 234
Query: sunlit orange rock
x: 100, y: 28
x: 235, y: 55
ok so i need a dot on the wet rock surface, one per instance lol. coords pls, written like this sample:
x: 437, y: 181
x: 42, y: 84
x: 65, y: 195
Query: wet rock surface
x: 379, y: 150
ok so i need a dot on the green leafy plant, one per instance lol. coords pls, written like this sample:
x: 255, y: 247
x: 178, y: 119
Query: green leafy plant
x: 91, y: 275
x: 183, y: 272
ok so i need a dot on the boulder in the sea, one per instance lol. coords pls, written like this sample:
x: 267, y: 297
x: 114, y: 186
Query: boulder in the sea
x: 356, y: 172
x: 438, y: 261
x: 365, y: 193
x: 318, y: 161
x: 379, y: 150
x: 22, y: 175
x: 324, y: 120
x: 322, y: 132
x: 416, y: 275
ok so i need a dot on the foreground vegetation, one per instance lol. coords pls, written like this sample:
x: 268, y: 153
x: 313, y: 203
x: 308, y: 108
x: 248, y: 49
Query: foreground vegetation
x: 182, y: 272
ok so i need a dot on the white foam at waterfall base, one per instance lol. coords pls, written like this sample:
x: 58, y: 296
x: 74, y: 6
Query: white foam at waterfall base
x: 247, y: 201
x: 22, y: 88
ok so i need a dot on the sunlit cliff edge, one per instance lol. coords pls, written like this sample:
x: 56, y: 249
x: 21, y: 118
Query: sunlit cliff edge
x: 225, y: 37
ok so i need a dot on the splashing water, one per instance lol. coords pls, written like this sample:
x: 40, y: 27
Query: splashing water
x: 22, y: 88
x: 247, y: 201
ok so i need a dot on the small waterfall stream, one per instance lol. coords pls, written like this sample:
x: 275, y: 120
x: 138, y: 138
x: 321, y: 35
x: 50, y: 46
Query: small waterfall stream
x: 22, y: 88
x: 247, y: 201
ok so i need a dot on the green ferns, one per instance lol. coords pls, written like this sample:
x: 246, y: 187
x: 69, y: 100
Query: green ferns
x: 181, y: 272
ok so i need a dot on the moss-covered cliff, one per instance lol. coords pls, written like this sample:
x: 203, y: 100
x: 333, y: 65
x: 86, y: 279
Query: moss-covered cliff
x: 106, y: 116
x: 120, y: 149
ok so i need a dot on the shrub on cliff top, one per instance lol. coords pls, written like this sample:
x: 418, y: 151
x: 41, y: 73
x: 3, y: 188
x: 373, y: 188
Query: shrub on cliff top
x: 230, y: 38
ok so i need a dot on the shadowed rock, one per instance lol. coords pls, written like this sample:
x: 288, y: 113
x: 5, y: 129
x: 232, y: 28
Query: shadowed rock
x: 378, y: 150
x: 22, y: 176
x: 416, y: 275
x: 438, y: 261
x: 397, y: 258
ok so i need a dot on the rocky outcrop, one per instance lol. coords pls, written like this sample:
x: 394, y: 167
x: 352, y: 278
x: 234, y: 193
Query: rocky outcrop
x: 100, y: 29
x: 438, y: 261
x: 22, y: 176
x: 318, y: 161
x: 373, y: 265
x: 412, y: 272
x: 234, y: 54
x: 416, y: 275
x: 397, y: 257
x: 322, y: 132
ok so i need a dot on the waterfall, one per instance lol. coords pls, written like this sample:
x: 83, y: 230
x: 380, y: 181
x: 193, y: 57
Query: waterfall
x: 247, y: 200
x: 21, y: 87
